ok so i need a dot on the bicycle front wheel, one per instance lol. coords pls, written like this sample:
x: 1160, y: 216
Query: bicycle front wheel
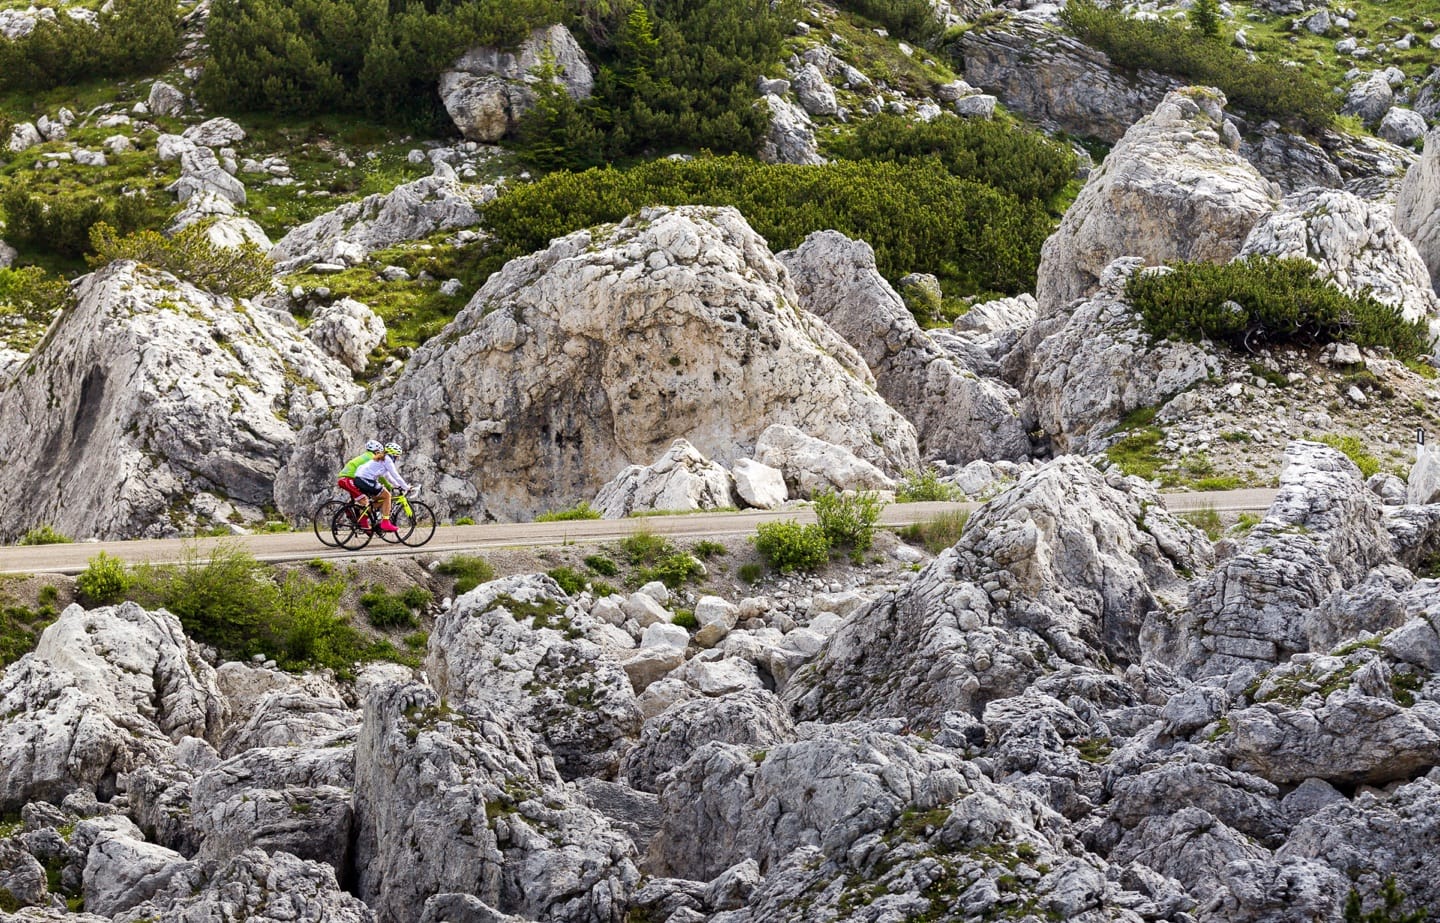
x: 345, y: 526
x: 323, y: 518
x: 418, y: 526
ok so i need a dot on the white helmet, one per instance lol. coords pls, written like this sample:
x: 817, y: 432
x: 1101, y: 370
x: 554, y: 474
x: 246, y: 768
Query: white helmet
x: 392, y: 448
x: 373, y: 445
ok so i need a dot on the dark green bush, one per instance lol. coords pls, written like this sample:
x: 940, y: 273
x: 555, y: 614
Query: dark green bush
x: 61, y: 224
x: 1281, y: 300
x: 104, y: 581
x: 1259, y: 87
x: 789, y: 546
x: 926, y: 486
x: 387, y: 610
x: 20, y: 629
x: 189, y: 255
x: 44, y: 535
x: 916, y: 215
x: 673, y: 570
x: 1025, y: 164
x: 645, y: 547
x: 134, y: 37
x: 468, y: 570
x: 33, y: 297
x: 569, y: 579
x: 602, y: 565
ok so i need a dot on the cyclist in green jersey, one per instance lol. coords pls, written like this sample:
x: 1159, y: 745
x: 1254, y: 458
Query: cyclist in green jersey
x: 373, y: 449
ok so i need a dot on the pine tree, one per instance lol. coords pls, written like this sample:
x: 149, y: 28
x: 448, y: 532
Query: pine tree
x: 1205, y: 16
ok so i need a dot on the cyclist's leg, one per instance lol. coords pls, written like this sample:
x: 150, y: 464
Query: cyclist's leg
x: 384, y: 504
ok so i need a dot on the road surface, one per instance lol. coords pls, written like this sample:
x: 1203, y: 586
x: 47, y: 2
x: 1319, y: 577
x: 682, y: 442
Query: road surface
x: 302, y: 546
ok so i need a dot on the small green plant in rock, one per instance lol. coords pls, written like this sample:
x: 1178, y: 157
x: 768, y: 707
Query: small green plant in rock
x: 938, y: 532
x: 673, y: 570
x: 926, y: 486
x: 707, y: 549
x: 1389, y: 911
x: 1352, y: 448
x: 685, y: 618
x: 104, y: 581
x: 190, y: 254
x: 751, y: 572
x: 1207, y: 521
x: 44, y: 535
x: 468, y: 570
x: 602, y: 565
x: 570, y: 580
x: 790, y: 546
x: 386, y: 610
x: 1245, y: 523
x: 581, y: 510
x: 645, y: 547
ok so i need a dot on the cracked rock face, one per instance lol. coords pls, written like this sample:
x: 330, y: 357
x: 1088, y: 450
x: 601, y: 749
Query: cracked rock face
x: 487, y: 90
x: 959, y: 415
x: 154, y: 408
x: 1417, y: 206
x: 1173, y: 188
x: 599, y: 352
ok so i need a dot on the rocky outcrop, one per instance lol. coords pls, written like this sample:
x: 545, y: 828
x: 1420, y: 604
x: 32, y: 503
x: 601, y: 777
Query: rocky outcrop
x: 681, y: 479
x: 347, y: 330
x: 460, y: 801
x: 809, y: 465
x: 599, y: 352
x: 1353, y: 243
x: 1173, y: 188
x: 960, y: 416
x: 790, y: 137
x: 519, y: 642
x: 751, y: 718
x: 488, y: 90
x: 154, y: 407
x: 1322, y: 535
x: 1417, y: 207
x: 104, y: 692
x: 1070, y: 565
x: 1294, y: 162
x: 1056, y: 80
x: 350, y: 233
x: 1100, y: 365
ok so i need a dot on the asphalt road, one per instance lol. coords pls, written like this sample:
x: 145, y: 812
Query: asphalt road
x: 302, y: 546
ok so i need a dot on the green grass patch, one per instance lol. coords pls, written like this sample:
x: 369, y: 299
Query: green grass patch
x: 44, y: 535
x: 468, y: 570
x: 1207, y: 520
x: 581, y: 510
x: 938, y: 532
x: 1354, y: 449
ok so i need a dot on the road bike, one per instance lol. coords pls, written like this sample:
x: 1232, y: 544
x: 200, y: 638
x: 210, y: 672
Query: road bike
x: 353, y: 525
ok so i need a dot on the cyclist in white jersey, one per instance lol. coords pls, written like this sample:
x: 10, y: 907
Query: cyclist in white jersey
x: 367, y: 480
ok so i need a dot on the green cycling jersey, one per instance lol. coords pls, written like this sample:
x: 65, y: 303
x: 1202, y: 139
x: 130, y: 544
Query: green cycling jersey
x: 354, y: 464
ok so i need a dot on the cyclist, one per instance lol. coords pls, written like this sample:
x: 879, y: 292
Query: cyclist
x: 367, y: 480
x: 346, y: 478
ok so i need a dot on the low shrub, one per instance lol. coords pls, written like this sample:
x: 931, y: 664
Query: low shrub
x: 20, y: 629
x: 130, y: 37
x: 926, y: 486
x: 1352, y: 448
x: 61, y: 222
x: 674, y: 570
x: 1261, y: 88
x: 581, y: 510
x: 30, y: 298
x: 602, y: 565
x: 190, y: 255
x: 1276, y: 300
x: 105, y: 581
x: 44, y: 535
x: 789, y: 546
x: 848, y: 519
x: 707, y: 549
x: 468, y: 570
x: 914, y: 21
x: 685, y: 618
x: 569, y: 579
x: 645, y: 547
x: 386, y: 610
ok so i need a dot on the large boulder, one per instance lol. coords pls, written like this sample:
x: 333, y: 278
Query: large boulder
x: 154, y: 407
x: 753, y: 718
x: 104, y: 692
x: 960, y: 416
x: 1174, y: 188
x: 790, y: 137
x: 681, y: 479
x: 519, y: 642
x: 439, y: 202
x: 461, y: 801
x: 1353, y: 243
x: 347, y: 330
x: 1099, y: 364
x: 487, y: 90
x: 809, y: 465
x: 1417, y: 206
x: 599, y: 352
x: 1069, y: 565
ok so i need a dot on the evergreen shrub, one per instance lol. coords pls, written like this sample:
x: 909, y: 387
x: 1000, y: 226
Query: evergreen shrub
x: 916, y: 215
x: 130, y: 37
x: 913, y: 20
x: 189, y: 255
x: 1261, y: 88
x: 790, y: 546
x: 1279, y: 300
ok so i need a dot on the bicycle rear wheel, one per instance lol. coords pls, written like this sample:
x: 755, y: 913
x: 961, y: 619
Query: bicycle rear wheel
x: 345, y: 526
x: 418, y: 527
x: 323, y: 517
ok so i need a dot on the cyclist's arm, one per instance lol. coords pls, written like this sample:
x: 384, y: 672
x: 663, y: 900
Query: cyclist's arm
x: 394, y: 474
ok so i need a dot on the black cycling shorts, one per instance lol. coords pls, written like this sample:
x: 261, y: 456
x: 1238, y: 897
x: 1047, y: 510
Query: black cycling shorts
x: 368, y: 487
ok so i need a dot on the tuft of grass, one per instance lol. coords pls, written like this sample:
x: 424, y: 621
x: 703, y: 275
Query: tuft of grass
x: 602, y: 565
x: 44, y: 535
x: 569, y: 579
x: 468, y: 570
x: 705, y: 550
x: 751, y: 572
x: 388, y: 610
x: 938, y: 532
x: 581, y: 510
x: 1207, y: 521
x: 1352, y: 448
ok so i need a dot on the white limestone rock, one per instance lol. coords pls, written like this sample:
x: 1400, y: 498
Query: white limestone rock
x: 681, y: 479
x: 347, y: 330
x: 751, y: 718
x: 791, y: 135
x: 488, y: 90
x: 959, y: 415
x: 759, y: 485
x: 1417, y: 207
x: 599, y: 352
x: 1173, y: 188
x: 165, y: 99
x: 413, y: 210
x: 149, y: 395
x: 809, y: 464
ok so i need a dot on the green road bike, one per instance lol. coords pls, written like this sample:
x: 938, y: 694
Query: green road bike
x: 352, y: 527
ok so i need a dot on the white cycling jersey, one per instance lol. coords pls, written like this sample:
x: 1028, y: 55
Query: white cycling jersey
x: 377, y: 468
